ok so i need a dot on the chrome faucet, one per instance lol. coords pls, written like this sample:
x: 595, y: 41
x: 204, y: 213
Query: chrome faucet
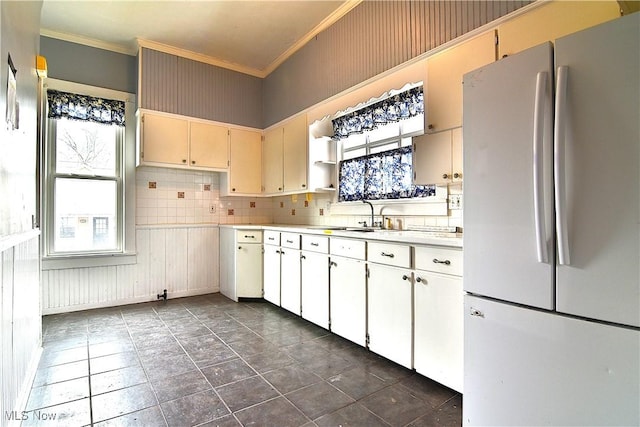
x: 369, y: 203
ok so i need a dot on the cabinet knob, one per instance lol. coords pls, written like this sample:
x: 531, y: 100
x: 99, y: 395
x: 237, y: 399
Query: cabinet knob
x: 445, y: 262
x: 430, y: 127
x: 445, y: 175
x: 193, y: 162
x: 239, y: 247
x: 405, y: 277
x: 304, y: 185
x: 333, y: 264
x: 421, y: 280
x: 184, y: 160
x: 457, y: 175
x: 302, y: 256
x: 233, y: 189
x: 279, y: 188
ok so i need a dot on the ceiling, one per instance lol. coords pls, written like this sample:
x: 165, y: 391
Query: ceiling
x: 253, y: 37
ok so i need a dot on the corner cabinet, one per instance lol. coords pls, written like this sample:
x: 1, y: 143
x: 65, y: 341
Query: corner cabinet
x: 245, y: 164
x: 170, y: 140
x: 285, y: 157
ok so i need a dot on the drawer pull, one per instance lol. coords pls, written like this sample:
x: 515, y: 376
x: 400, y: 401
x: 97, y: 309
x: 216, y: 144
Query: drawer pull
x: 249, y: 237
x: 315, y: 244
x: 289, y: 241
x: 445, y: 262
x: 302, y: 256
x: 387, y: 255
x: 405, y: 277
x: 333, y: 264
x: 271, y: 238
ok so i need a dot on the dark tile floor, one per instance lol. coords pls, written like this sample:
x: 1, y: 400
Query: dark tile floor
x: 210, y: 361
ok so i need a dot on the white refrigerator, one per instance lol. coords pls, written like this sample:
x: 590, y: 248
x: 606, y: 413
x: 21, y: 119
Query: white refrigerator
x: 552, y: 233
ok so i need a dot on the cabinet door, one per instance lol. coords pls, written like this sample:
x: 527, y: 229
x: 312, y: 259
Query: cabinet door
x: 249, y: 270
x: 209, y: 145
x: 438, y: 336
x: 551, y: 21
x: 348, y: 301
x: 315, y: 288
x: 164, y: 139
x: 271, y: 274
x: 272, y: 161
x: 245, y: 153
x: 432, y: 158
x: 389, y: 313
x: 290, y: 280
x: 295, y: 141
x: 444, y: 80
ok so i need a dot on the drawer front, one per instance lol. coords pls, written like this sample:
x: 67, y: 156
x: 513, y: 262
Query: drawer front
x: 314, y: 243
x: 440, y: 260
x: 249, y: 236
x: 272, y: 237
x: 347, y: 247
x: 389, y: 254
x: 290, y: 240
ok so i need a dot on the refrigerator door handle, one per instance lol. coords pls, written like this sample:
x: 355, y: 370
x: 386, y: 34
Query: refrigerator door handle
x: 538, y: 167
x: 559, y: 163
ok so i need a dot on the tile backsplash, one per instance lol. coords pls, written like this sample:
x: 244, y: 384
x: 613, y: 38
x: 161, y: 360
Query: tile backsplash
x: 175, y: 196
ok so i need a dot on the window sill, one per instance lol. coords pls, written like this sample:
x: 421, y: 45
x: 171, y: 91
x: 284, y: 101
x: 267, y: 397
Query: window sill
x: 86, y: 261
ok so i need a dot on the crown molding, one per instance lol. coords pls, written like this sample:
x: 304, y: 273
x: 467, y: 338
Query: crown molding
x: 73, y: 38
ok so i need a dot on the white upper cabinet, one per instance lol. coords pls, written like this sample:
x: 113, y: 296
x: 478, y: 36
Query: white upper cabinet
x: 245, y: 161
x: 443, y: 91
x: 272, y: 161
x: 175, y: 141
x: 552, y: 21
x: 209, y: 145
x: 163, y: 139
x: 437, y: 157
x: 285, y: 157
x: 295, y: 141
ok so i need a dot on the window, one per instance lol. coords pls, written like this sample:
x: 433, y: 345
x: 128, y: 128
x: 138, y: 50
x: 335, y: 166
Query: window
x: 376, y: 149
x: 84, y: 180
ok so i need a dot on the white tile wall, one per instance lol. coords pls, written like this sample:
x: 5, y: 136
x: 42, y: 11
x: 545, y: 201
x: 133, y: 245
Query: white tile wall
x: 161, y: 205
x: 200, y: 191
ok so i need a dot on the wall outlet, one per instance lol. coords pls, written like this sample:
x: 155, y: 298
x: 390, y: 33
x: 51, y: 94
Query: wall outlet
x: 455, y: 201
x: 212, y: 209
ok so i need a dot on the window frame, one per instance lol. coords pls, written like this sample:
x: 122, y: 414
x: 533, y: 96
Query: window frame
x: 125, y: 183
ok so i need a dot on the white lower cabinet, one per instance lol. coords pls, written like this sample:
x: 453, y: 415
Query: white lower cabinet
x: 389, y: 313
x: 389, y: 302
x: 241, y: 263
x: 271, y: 260
x: 290, y: 279
x: 314, y: 265
x: 348, y: 298
x: 439, y: 316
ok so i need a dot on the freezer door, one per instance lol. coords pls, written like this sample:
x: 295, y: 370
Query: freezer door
x: 599, y: 173
x: 507, y: 253
x: 535, y: 368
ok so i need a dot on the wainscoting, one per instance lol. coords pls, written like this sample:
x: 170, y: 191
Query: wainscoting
x: 20, y: 316
x: 183, y: 259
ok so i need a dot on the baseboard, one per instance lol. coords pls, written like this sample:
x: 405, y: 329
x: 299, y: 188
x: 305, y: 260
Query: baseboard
x: 127, y: 301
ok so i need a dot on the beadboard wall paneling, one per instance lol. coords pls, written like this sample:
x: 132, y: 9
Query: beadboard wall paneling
x: 158, y: 75
x: 371, y: 39
x: 183, y: 260
x: 214, y: 93
x: 20, y: 321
